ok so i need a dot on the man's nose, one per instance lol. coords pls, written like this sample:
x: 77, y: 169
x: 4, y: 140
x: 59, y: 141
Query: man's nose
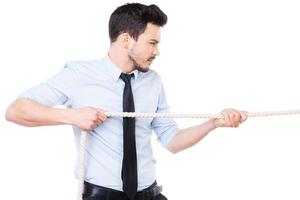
x: 156, y: 51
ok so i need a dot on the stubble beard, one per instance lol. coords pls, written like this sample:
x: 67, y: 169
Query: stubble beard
x: 138, y: 67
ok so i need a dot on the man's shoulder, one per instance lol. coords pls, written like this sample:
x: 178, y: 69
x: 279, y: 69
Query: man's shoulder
x: 80, y: 64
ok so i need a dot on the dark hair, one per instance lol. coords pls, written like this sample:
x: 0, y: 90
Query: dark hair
x: 132, y: 18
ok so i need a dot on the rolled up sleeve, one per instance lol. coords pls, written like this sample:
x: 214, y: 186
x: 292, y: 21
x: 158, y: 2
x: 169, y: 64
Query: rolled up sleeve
x: 164, y: 128
x: 55, y: 91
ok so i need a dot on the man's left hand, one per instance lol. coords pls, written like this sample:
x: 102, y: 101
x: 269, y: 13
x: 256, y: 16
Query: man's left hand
x: 231, y: 118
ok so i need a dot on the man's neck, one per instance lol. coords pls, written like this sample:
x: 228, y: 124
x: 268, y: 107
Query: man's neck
x: 120, y: 59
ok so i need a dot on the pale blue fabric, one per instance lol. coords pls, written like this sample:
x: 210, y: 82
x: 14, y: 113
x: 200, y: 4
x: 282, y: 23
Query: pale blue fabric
x: 97, y: 84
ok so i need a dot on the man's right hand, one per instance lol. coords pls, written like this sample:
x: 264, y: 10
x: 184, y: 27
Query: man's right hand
x: 31, y: 113
x: 86, y: 118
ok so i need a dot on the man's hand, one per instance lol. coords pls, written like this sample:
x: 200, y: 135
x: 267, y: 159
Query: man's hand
x: 86, y: 118
x: 231, y: 118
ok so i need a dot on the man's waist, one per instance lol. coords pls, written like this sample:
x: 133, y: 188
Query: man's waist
x: 117, y: 184
x: 96, y: 191
x: 110, y: 177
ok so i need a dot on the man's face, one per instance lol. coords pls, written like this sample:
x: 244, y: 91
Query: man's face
x: 143, y: 51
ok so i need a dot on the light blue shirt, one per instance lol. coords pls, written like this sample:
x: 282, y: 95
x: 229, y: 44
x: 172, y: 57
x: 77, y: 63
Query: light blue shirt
x: 97, y: 84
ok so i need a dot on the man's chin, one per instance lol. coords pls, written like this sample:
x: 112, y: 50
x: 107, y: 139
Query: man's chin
x: 142, y: 69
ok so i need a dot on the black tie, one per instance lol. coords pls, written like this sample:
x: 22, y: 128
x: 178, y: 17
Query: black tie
x: 129, y: 165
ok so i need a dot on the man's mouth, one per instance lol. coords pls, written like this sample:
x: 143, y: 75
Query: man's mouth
x: 151, y: 59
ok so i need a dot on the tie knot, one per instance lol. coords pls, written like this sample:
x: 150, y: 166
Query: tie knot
x: 126, y: 77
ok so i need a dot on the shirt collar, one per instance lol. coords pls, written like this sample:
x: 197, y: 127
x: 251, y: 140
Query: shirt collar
x: 115, y: 71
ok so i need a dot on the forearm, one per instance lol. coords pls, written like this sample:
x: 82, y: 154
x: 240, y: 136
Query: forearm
x: 30, y: 113
x: 189, y: 136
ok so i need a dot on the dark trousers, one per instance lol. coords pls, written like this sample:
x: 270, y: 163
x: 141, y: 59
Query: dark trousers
x: 95, y: 192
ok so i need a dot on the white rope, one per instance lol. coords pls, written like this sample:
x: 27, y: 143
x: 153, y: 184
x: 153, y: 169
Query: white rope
x: 83, y: 137
x: 160, y: 115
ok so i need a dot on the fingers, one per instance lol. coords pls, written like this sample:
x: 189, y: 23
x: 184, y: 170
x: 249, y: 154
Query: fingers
x: 88, y: 118
x: 101, y: 116
x: 98, y: 118
x: 244, y: 115
x: 233, y: 118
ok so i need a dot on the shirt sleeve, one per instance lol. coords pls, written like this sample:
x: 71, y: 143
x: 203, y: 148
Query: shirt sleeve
x: 55, y: 91
x: 164, y: 128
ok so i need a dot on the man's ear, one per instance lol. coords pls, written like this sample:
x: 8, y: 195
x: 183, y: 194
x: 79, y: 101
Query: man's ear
x: 125, y: 40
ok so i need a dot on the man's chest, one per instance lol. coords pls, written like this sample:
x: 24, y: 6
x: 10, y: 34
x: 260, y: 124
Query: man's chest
x: 109, y: 97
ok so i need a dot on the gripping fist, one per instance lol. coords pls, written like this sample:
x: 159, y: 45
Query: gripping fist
x: 87, y: 118
x: 231, y: 118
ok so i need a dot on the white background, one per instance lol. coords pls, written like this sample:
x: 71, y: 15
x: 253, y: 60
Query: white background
x: 214, y: 55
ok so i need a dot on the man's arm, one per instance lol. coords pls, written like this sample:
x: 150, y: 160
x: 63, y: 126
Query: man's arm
x: 28, y: 112
x: 188, y: 137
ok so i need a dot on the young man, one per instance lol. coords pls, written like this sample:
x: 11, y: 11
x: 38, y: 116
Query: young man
x: 119, y: 160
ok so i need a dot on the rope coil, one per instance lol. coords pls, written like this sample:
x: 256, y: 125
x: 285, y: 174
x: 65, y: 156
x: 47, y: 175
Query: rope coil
x: 83, y: 136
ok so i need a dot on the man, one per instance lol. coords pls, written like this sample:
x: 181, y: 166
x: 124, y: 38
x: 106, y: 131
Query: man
x: 119, y: 161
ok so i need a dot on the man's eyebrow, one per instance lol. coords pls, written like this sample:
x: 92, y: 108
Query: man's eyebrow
x: 154, y: 40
